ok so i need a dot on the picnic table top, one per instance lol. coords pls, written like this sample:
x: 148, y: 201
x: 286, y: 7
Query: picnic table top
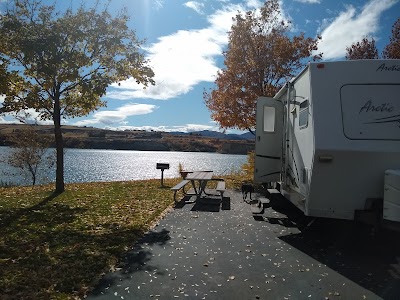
x: 199, y: 175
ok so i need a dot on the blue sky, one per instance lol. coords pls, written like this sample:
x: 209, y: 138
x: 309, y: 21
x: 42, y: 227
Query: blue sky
x: 185, y: 41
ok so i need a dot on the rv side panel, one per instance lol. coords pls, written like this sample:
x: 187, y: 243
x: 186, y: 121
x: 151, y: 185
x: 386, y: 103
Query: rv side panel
x: 356, y: 107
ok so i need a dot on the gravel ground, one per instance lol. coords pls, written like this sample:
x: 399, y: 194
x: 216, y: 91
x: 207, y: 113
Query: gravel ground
x: 210, y: 251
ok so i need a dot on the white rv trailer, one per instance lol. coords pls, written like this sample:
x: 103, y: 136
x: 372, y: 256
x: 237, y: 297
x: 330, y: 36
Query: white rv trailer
x: 330, y: 139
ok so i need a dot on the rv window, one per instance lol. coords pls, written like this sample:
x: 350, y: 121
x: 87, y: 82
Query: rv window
x: 269, y: 119
x: 303, y: 115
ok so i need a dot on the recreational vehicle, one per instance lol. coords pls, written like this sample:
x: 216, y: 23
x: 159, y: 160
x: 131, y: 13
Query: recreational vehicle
x: 329, y: 140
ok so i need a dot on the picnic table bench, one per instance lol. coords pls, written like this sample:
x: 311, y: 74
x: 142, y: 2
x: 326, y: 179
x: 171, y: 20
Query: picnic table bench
x: 221, y: 188
x: 180, y: 185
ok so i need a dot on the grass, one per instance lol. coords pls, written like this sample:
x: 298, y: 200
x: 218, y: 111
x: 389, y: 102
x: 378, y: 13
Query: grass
x: 59, y: 246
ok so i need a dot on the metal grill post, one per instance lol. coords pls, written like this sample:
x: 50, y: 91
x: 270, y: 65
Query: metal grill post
x: 162, y: 167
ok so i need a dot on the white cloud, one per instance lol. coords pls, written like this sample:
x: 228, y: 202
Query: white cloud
x: 185, y: 58
x: 181, y: 128
x: 253, y: 4
x: 29, y: 116
x: 196, y: 6
x: 158, y: 4
x: 106, y: 117
x: 198, y: 127
x: 87, y: 122
x: 8, y: 121
x: 179, y: 61
x: 351, y: 26
x: 309, y: 1
x: 117, y: 116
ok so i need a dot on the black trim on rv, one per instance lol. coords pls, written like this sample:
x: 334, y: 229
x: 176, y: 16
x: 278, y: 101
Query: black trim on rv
x: 266, y: 156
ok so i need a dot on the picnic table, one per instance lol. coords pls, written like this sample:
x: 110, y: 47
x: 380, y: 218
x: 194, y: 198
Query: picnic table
x: 201, y: 178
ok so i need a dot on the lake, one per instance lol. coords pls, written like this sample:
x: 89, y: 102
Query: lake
x: 89, y: 165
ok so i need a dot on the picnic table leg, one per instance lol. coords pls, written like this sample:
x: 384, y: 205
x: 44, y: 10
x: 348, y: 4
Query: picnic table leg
x: 203, y: 184
x: 194, y: 186
x: 183, y: 190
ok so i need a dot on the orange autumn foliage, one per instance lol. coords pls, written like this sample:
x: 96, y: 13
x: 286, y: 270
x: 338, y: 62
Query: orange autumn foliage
x: 259, y: 59
x: 366, y: 49
x: 392, y: 50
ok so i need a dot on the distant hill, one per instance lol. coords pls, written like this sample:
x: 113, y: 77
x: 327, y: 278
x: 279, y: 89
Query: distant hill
x: 248, y: 136
x: 218, y: 135
x: 95, y: 138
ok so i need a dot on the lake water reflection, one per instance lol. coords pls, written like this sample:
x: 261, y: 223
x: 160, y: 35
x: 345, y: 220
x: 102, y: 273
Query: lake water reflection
x: 88, y: 165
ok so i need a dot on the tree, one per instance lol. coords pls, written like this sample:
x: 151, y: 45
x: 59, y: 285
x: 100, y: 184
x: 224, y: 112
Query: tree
x: 259, y: 58
x: 60, y: 63
x: 366, y: 49
x: 392, y: 50
x: 30, y: 152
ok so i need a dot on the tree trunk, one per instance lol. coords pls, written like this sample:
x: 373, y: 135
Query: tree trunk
x: 59, y: 147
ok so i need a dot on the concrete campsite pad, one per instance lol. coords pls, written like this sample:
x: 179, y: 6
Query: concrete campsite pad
x: 212, y: 250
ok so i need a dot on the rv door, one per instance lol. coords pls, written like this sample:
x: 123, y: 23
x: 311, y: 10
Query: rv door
x: 269, y: 136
